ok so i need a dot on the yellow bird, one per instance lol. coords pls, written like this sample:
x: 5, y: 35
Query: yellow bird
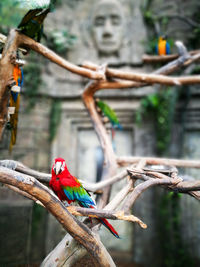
x: 163, y: 47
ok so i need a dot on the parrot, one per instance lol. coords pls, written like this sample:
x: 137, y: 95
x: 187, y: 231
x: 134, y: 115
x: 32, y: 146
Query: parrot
x: 68, y: 188
x: 14, y: 102
x: 163, y: 47
x: 32, y: 22
x: 111, y: 115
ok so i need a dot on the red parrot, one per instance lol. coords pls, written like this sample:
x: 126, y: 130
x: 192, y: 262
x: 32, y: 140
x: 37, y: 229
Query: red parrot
x: 67, y: 187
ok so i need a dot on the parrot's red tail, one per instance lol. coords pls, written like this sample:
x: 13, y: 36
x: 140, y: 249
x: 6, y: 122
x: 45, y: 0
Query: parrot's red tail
x: 109, y: 227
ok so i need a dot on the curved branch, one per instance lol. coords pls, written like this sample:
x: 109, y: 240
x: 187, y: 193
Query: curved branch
x: 139, y: 189
x: 110, y: 164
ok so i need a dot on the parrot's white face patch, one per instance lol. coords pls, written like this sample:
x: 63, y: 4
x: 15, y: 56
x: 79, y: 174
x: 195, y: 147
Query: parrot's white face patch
x: 59, y: 167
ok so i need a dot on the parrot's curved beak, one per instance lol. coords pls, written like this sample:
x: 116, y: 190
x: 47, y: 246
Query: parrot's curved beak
x: 57, y: 167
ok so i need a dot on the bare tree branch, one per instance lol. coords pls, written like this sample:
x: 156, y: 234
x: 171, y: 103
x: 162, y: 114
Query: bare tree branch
x: 124, y: 161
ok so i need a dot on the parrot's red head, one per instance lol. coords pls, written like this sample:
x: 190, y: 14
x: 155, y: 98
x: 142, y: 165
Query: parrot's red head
x: 59, y: 166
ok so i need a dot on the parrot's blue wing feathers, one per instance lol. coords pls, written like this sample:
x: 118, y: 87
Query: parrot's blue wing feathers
x: 79, y: 194
x: 167, y: 48
x: 156, y: 49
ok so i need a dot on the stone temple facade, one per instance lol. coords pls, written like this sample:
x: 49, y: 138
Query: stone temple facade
x: 111, y: 32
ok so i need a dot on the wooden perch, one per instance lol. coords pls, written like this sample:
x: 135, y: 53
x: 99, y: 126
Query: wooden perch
x: 163, y: 59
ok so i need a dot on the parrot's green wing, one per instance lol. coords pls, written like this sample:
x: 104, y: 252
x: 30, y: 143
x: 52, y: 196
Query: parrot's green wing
x: 109, y: 112
x: 28, y: 17
x: 32, y: 23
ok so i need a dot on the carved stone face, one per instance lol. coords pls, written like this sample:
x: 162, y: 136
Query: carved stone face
x: 107, y: 28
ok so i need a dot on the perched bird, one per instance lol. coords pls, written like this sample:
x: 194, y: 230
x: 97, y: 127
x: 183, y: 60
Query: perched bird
x: 109, y: 113
x: 163, y: 47
x: 14, y: 103
x: 32, y: 22
x: 68, y: 187
x: 112, y: 117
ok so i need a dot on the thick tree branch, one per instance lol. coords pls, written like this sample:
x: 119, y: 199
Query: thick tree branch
x: 78, y: 230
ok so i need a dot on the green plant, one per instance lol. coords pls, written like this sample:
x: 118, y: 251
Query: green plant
x: 161, y: 105
x: 175, y: 253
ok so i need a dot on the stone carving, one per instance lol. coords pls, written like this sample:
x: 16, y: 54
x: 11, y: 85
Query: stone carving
x: 107, y: 27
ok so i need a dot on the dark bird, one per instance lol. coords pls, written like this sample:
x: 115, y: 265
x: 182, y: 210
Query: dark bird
x: 32, y: 23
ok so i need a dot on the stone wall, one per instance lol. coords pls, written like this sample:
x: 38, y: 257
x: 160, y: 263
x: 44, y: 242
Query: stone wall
x: 23, y: 224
